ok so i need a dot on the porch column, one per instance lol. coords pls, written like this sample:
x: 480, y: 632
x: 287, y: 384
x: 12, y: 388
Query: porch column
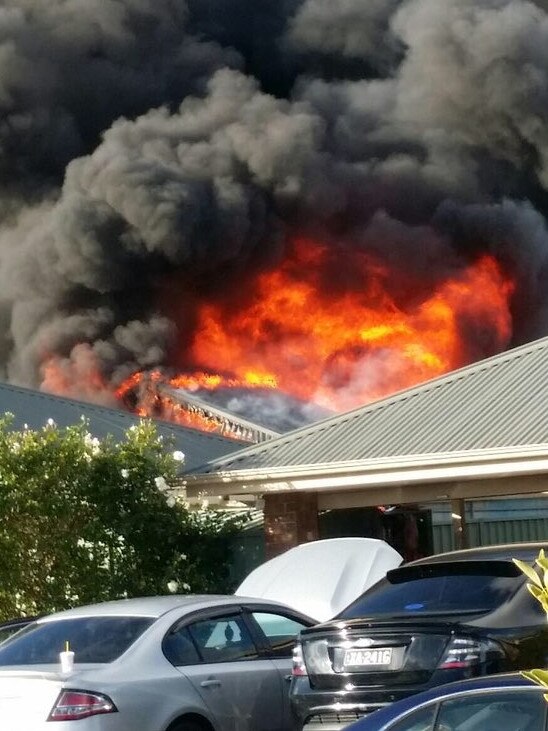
x: 289, y: 520
x: 458, y: 520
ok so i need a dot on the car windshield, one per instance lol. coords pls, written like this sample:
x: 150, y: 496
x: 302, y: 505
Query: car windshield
x: 439, y: 588
x: 92, y: 639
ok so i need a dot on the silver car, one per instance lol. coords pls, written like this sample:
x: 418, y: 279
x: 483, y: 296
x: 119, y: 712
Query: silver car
x: 172, y: 663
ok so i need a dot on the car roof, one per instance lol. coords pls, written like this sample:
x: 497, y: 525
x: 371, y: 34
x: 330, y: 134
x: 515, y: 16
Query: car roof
x: 483, y: 682
x: 487, y: 682
x: 156, y: 606
x: 502, y: 680
x: 524, y: 551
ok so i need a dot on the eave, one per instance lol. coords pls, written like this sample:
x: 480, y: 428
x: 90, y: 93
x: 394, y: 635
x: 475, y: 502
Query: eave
x: 473, y: 473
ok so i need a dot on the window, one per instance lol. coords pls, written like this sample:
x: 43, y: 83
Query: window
x: 517, y: 710
x: 93, y: 639
x: 280, y: 631
x: 179, y: 648
x: 223, y: 639
x: 421, y: 720
x: 438, y: 588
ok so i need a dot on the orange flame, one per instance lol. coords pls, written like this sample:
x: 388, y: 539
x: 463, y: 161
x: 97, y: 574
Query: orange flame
x: 347, y: 347
x: 337, y: 344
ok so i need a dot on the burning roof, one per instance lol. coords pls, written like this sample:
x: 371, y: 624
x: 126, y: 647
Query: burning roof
x: 330, y: 201
x: 211, y: 418
x: 212, y: 407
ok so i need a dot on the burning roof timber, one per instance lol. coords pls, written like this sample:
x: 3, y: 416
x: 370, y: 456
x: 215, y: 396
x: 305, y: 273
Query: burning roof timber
x: 208, y: 404
x: 218, y: 420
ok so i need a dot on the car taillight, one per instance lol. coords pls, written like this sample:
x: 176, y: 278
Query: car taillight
x: 299, y: 668
x: 72, y: 705
x: 465, y: 652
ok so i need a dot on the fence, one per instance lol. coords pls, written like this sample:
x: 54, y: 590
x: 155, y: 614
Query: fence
x: 489, y: 533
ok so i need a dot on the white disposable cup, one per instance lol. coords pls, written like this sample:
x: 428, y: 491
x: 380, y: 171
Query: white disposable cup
x: 67, y: 661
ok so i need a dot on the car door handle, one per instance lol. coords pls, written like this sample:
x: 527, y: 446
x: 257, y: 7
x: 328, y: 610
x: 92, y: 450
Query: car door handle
x: 210, y: 683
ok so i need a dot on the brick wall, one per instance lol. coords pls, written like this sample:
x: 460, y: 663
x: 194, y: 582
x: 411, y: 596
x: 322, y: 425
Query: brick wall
x: 289, y: 519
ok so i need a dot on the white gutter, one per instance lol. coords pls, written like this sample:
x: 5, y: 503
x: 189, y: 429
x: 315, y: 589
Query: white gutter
x: 403, y: 470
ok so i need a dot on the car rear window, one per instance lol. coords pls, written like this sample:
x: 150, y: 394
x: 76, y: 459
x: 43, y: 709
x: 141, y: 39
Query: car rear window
x: 439, y: 588
x: 93, y: 640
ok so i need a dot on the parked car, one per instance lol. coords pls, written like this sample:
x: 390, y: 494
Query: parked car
x: 447, y: 617
x: 349, y: 566
x: 183, y: 663
x: 491, y: 703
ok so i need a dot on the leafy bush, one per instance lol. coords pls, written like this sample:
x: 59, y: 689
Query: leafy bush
x: 538, y: 587
x: 85, y: 520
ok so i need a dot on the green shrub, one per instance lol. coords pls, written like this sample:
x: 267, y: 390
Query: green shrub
x: 538, y: 587
x: 85, y: 520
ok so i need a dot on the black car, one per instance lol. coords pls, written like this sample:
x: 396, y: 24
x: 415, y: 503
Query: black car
x: 447, y: 617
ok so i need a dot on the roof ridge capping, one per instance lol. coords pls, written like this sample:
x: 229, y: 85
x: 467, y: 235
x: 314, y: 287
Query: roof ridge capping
x: 292, y: 436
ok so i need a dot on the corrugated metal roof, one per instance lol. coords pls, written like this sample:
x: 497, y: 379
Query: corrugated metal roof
x: 35, y: 408
x: 498, y: 402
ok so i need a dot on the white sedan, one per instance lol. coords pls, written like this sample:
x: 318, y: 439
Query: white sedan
x: 172, y: 663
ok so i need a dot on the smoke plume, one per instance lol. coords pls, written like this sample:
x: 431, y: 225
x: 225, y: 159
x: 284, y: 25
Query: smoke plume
x: 154, y: 153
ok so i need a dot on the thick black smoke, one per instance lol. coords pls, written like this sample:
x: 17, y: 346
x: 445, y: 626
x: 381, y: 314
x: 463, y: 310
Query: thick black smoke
x: 156, y: 145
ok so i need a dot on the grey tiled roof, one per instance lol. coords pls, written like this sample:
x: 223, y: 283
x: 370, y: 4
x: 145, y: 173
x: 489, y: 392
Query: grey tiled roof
x: 498, y: 402
x: 35, y: 408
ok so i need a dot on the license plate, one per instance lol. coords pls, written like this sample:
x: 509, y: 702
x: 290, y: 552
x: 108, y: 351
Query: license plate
x: 364, y: 658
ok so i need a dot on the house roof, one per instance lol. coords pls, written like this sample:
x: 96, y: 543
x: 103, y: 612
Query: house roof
x: 34, y: 408
x: 498, y: 402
